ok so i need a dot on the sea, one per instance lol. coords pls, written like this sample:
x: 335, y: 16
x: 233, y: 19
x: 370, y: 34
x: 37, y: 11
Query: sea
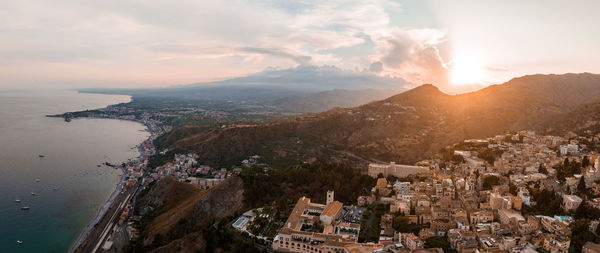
x: 66, y: 187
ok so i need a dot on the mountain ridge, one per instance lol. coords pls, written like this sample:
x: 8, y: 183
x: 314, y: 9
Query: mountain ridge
x: 405, y: 127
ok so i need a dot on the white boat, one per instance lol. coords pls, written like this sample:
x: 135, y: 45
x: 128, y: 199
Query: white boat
x: 32, y: 193
x: 19, y: 242
x: 17, y: 201
x: 25, y: 208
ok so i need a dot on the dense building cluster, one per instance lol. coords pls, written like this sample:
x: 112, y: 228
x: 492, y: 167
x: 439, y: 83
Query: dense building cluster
x: 185, y: 168
x: 484, y: 195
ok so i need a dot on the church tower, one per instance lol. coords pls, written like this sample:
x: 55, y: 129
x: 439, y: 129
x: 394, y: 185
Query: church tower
x: 329, y: 197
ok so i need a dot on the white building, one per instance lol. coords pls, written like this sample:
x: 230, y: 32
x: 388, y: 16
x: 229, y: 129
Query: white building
x: 394, y: 169
x: 402, y: 186
x: 571, y: 202
x: 524, y: 194
x: 570, y: 149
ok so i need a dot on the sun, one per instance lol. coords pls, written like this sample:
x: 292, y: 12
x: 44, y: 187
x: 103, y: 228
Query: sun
x: 466, y: 70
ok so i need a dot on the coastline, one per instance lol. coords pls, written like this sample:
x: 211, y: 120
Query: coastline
x: 151, y: 129
x: 83, y: 236
x: 101, y: 212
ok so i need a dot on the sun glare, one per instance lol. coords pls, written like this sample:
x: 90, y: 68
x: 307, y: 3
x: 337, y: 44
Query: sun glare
x: 466, y: 70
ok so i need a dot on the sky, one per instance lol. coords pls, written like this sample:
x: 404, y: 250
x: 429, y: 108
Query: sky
x: 456, y: 45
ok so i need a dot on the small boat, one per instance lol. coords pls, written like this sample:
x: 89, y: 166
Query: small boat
x: 32, y: 193
x: 25, y: 208
x: 17, y: 201
x: 19, y: 242
x: 37, y: 180
x: 40, y: 155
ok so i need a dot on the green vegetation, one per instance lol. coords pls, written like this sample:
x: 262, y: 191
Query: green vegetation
x: 567, y: 169
x: 580, y: 228
x: 437, y: 242
x: 585, y: 162
x: 581, y: 189
x: 512, y: 189
x: 584, y: 211
x: 220, y: 238
x: 402, y: 224
x: 542, y: 169
x: 547, y: 203
x: 489, y: 155
x: 370, y: 223
x: 580, y: 235
x: 311, y: 180
x: 482, y: 150
x: 490, y: 181
x: 458, y: 159
x: 161, y: 159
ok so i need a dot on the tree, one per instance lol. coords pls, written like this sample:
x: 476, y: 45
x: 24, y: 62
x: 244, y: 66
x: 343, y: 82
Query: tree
x: 542, y: 169
x: 512, y: 189
x: 437, y: 242
x: 560, y: 173
x: 319, y: 226
x: 547, y: 203
x: 580, y: 235
x: 581, y: 189
x: 490, y: 181
x: 585, y: 211
x: 585, y: 162
x: 489, y: 155
x: 391, y: 178
x: 458, y: 159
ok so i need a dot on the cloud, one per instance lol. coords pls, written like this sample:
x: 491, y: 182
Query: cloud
x: 497, y: 69
x: 314, y: 78
x: 157, y: 43
x: 376, y: 67
x: 414, y: 55
x: 300, y: 59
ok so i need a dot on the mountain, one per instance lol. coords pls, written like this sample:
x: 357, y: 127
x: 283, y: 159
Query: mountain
x: 297, y: 90
x: 322, y: 101
x: 271, y: 85
x: 404, y: 128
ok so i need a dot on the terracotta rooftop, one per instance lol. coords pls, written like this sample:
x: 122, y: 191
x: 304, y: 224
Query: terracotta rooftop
x: 332, y: 209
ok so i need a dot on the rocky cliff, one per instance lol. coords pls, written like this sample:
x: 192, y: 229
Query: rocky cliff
x: 175, y: 213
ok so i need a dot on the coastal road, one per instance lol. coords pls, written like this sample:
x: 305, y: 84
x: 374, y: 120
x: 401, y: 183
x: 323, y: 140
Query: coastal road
x: 104, y: 228
x: 114, y: 219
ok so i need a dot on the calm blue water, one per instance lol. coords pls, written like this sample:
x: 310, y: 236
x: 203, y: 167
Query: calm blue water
x: 73, y: 151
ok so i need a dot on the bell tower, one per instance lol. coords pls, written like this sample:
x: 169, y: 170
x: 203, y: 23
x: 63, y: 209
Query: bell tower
x: 329, y: 197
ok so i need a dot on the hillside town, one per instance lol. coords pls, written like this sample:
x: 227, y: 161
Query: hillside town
x: 518, y: 192
x: 185, y: 168
x: 511, y: 193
